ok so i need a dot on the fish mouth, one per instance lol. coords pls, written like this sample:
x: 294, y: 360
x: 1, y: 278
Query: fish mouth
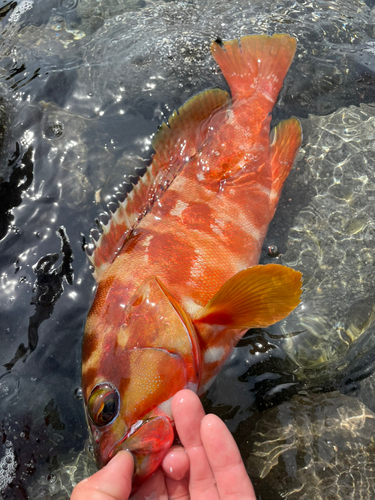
x: 148, y: 441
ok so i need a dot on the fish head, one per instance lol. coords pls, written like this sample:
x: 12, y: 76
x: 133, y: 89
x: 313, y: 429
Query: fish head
x: 148, y: 438
x: 135, y: 358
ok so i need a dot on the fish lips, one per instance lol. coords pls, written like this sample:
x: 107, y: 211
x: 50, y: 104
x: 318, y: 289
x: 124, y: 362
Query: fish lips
x: 148, y: 442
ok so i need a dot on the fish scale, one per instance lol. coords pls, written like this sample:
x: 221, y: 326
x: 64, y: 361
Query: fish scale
x: 176, y: 266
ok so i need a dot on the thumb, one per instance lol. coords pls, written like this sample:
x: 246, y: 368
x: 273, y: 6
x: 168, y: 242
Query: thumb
x: 113, y: 482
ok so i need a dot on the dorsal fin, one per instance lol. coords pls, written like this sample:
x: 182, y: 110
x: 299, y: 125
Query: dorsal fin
x: 174, y: 144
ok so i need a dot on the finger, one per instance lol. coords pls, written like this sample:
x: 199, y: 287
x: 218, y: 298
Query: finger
x: 153, y: 488
x: 178, y: 490
x: 225, y: 460
x: 176, y: 463
x: 176, y: 468
x: 188, y: 413
x: 113, y: 482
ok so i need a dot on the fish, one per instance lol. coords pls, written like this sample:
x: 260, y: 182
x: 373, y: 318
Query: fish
x: 177, y: 265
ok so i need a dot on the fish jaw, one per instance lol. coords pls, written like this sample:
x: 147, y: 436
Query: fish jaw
x: 148, y: 442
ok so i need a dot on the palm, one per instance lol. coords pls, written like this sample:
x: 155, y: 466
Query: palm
x: 216, y: 468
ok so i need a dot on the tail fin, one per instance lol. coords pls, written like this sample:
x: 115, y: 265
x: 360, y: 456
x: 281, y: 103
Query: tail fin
x: 260, y: 64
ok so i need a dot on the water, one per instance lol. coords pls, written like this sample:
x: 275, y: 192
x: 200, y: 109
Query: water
x: 83, y: 86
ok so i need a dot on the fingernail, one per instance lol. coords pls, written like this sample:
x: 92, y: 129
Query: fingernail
x: 114, y: 458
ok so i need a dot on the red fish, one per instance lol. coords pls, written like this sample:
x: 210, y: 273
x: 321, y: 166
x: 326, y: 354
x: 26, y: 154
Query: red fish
x: 178, y: 283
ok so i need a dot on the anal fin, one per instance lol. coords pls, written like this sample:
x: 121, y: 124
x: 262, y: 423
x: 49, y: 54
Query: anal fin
x: 286, y: 139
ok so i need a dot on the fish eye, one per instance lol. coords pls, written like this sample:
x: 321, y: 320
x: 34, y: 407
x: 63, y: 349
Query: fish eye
x: 103, y: 404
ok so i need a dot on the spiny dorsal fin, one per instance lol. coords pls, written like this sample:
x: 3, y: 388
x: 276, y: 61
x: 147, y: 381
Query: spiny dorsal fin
x: 254, y: 298
x: 174, y: 145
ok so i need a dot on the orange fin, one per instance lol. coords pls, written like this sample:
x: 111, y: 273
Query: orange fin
x: 285, y: 141
x: 174, y: 145
x: 188, y: 128
x: 260, y: 64
x: 254, y: 298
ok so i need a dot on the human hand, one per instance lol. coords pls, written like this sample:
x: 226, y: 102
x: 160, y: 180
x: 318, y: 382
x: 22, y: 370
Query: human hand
x: 215, y: 470
x: 207, y: 467
x: 113, y: 482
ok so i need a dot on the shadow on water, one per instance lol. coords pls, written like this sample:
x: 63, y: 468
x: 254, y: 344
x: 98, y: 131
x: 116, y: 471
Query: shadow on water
x: 11, y: 191
x: 83, y: 86
x: 47, y: 290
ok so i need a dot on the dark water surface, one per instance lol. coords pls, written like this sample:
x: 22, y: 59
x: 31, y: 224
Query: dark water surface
x: 83, y: 86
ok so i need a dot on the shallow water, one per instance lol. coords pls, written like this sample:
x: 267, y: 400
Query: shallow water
x: 84, y: 85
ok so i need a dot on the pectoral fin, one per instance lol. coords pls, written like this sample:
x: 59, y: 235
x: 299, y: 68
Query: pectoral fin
x: 254, y: 298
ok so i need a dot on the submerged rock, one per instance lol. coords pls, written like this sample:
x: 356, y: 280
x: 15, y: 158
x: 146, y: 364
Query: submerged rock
x: 317, y: 446
x: 58, y: 484
x: 331, y: 242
